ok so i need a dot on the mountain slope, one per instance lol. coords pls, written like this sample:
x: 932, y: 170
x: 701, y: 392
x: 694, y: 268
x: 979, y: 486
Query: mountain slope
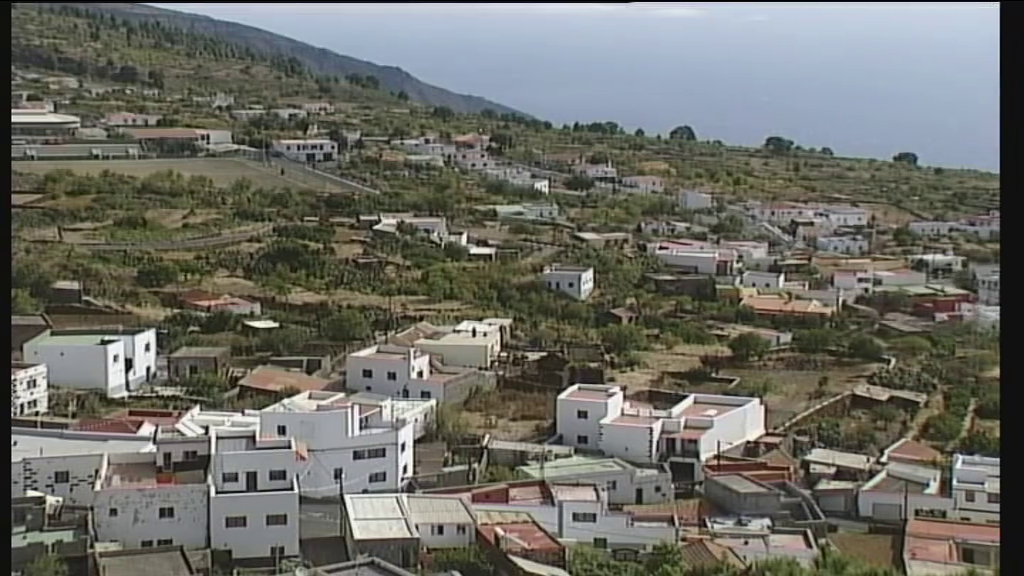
x: 319, y: 60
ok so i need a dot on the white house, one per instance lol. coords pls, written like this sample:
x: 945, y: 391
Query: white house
x: 254, y: 493
x: 902, y: 491
x: 845, y: 215
x: 470, y: 344
x: 781, y: 212
x: 694, y: 200
x: 29, y: 389
x: 530, y: 211
x: 596, y: 171
x: 307, y: 151
x: 361, y: 443
x: 128, y: 119
x: 767, y: 280
x: 140, y: 504
x: 472, y: 159
x: 397, y: 371
x: 576, y: 281
x: 624, y: 483
x: 114, y: 361
x: 932, y: 228
x: 975, y: 487
x: 985, y: 226
x: 867, y: 281
x: 644, y: 184
x: 988, y: 289
x: 849, y: 245
x: 435, y: 227
x: 695, y: 427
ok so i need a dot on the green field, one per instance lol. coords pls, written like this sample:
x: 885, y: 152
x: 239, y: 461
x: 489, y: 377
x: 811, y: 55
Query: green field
x: 223, y: 171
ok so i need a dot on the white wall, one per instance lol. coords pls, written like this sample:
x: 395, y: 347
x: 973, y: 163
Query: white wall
x: 259, y: 461
x: 744, y: 423
x: 630, y: 442
x: 138, y: 515
x: 84, y: 366
x: 29, y: 390
x: 699, y: 262
x: 256, y: 539
x: 693, y: 200
x: 850, y: 245
x: 467, y: 354
x: 579, y: 285
x: 39, y: 474
x: 762, y: 280
x: 451, y: 538
x: 408, y: 373
x: 570, y: 426
x: 141, y: 348
x: 866, y: 500
x: 988, y: 290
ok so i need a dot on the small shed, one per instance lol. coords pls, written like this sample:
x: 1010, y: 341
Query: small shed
x: 190, y: 361
x: 66, y: 292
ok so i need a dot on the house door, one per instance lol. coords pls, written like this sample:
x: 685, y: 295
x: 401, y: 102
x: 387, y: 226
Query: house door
x: 310, y: 158
x: 250, y: 481
x: 639, y: 495
x: 167, y: 460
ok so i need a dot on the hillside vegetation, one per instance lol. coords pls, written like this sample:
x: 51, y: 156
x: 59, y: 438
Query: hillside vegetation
x: 251, y: 40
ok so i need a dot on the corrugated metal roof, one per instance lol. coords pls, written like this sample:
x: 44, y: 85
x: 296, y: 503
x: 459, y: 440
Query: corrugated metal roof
x: 438, y: 510
x: 377, y: 517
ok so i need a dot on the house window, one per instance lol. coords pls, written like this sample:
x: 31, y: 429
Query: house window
x: 165, y: 542
x: 190, y: 455
x: 405, y: 470
x: 148, y: 347
x: 405, y: 392
x: 282, y: 430
x: 229, y: 477
x: 571, y: 285
x: 146, y: 544
x: 276, y: 551
x: 367, y: 373
x: 613, y: 485
x: 235, y: 521
x: 584, y: 517
x: 582, y: 414
x: 112, y: 513
x: 969, y: 496
x: 437, y: 530
x: 993, y: 498
x: 601, y: 543
x: 582, y: 439
x: 61, y: 477
x: 657, y: 489
x: 277, y: 519
x: 401, y: 448
x: 117, y: 358
x: 460, y: 530
x: 425, y: 395
x: 419, y: 374
x: 339, y: 474
x: 278, y: 475
x: 967, y: 555
x: 166, y: 512
x: 378, y: 477
x: 392, y: 376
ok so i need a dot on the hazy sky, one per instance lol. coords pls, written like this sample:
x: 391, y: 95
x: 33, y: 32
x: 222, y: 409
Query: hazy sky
x: 866, y: 79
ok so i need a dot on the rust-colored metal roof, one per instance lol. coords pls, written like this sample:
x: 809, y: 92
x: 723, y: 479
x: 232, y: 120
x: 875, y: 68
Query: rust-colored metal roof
x: 522, y: 536
x: 914, y: 452
x: 272, y: 379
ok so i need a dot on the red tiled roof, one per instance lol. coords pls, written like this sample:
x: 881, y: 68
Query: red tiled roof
x: 109, y: 425
x: 913, y: 451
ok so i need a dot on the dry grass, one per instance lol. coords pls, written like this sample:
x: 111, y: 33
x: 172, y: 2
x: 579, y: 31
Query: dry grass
x: 223, y: 171
x: 872, y: 549
x: 679, y: 359
x: 510, y: 414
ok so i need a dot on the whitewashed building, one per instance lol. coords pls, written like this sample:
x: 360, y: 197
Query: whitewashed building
x: 849, y: 245
x: 933, y: 228
x: 576, y: 281
x: 765, y: 280
x: 845, y: 215
x: 975, y: 487
x: 29, y: 389
x: 596, y: 171
x: 112, y: 361
x: 686, y: 433
x: 307, y: 151
x: 988, y: 289
x: 902, y: 491
x: 694, y: 200
x: 644, y: 184
x: 868, y: 281
x: 128, y: 119
x: 470, y: 344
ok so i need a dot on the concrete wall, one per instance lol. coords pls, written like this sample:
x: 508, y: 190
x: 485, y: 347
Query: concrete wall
x: 403, y: 553
x: 39, y: 474
x: 744, y: 503
x: 256, y: 539
x: 138, y: 519
x: 631, y: 443
x: 450, y: 538
x: 570, y: 426
x: 745, y: 423
x: 83, y: 366
x: 907, y: 503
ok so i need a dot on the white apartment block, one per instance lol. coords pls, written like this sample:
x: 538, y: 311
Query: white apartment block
x: 697, y: 426
x: 644, y: 184
x: 307, y: 151
x: 766, y: 280
x: 576, y: 281
x: 988, y: 289
x: 472, y: 159
x: 694, y: 200
x: 470, y: 344
x: 624, y: 483
x: 867, y: 281
x: 849, y: 245
x: 695, y: 257
x: 396, y: 371
x: 596, y: 171
x: 113, y: 361
x: 975, y: 486
x: 29, y: 389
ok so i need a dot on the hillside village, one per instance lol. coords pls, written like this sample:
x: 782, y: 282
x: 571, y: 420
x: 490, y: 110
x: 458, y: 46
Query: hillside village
x: 325, y: 330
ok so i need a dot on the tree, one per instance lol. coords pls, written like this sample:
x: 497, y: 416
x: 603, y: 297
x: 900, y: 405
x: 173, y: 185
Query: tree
x: 157, y: 275
x: 865, y: 347
x: 443, y: 113
x: 778, y: 145
x: 826, y: 151
x: 462, y: 560
x: 814, y: 341
x: 347, y: 325
x: 684, y: 133
x: 488, y: 113
x: 980, y: 443
x: 622, y: 339
x: 579, y: 183
x: 885, y: 414
x: 911, y: 346
x: 749, y: 346
x: 639, y: 133
x: 402, y: 95
x: 219, y: 322
x: 23, y: 303
x: 48, y: 565
x: 908, y: 158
